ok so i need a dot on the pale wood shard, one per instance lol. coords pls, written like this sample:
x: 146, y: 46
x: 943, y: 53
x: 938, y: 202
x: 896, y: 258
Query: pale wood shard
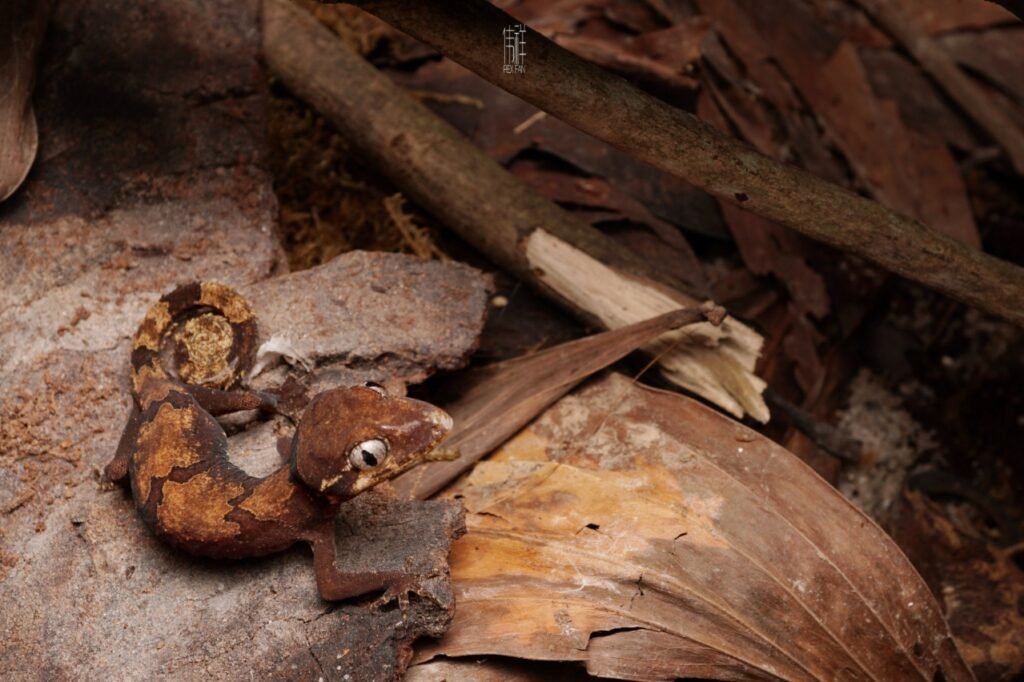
x: 715, y: 362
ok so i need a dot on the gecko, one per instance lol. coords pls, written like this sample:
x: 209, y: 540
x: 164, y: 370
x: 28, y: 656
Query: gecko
x: 188, y: 358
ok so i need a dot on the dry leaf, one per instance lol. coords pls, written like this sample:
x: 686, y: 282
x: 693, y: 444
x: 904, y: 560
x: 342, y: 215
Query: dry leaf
x: 498, y: 400
x: 630, y: 59
x: 648, y: 537
x: 603, y: 202
x: 494, y: 669
x: 903, y: 169
x: 996, y: 54
x: 939, y: 17
x: 922, y: 107
x: 770, y: 248
x: 981, y: 586
x: 22, y: 26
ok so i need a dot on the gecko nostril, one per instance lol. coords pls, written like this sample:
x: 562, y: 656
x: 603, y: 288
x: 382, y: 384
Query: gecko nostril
x: 442, y: 419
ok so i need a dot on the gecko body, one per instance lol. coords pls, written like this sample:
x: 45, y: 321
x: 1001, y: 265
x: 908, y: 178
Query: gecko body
x: 188, y: 356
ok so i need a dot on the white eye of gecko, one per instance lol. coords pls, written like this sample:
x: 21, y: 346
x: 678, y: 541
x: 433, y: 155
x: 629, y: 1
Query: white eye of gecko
x: 368, y: 454
x: 374, y: 386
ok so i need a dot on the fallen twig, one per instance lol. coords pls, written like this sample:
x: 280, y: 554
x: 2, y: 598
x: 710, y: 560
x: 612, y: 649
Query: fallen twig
x: 529, y: 235
x: 824, y: 435
x: 610, y: 108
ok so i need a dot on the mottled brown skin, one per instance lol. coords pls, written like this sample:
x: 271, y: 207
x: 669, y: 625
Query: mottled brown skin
x: 173, y: 453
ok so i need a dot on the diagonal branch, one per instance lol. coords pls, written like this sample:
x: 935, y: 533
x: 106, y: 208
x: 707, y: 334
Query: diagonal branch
x: 611, y: 109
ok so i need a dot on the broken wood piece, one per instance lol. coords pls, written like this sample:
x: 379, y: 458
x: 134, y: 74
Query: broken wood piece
x: 498, y: 400
x: 610, y: 108
x: 627, y: 520
x: 377, y: 643
x: 498, y: 214
x: 703, y: 357
x: 950, y: 77
x: 22, y: 27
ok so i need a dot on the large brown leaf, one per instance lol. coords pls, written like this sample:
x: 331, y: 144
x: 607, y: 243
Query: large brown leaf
x: 650, y: 538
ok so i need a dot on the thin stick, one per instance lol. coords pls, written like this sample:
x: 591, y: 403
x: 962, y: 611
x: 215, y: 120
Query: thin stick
x: 609, y: 108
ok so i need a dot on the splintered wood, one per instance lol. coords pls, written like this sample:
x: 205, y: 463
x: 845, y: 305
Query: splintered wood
x: 716, y: 362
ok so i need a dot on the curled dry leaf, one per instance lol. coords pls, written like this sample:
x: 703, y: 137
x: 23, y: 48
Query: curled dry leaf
x: 648, y: 537
x: 494, y: 402
x: 22, y: 25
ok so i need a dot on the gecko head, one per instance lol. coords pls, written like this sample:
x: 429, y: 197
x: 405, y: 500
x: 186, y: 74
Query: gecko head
x: 350, y: 439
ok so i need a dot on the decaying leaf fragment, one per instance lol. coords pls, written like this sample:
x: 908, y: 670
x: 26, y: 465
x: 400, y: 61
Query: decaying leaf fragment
x: 648, y: 537
x: 22, y: 25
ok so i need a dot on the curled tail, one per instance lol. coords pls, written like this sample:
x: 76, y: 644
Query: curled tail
x: 201, y: 336
x: 188, y: 357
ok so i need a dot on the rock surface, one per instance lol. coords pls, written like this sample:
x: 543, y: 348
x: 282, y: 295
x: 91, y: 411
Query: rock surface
x: 150, y: 175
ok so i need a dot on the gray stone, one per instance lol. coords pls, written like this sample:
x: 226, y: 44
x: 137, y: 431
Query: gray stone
x: 150, y: 175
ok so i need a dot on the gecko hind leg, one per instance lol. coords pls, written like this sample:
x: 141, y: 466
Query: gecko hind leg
x: 117, y: 470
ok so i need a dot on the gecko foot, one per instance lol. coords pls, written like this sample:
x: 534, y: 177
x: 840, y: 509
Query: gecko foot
x: 399, y: 589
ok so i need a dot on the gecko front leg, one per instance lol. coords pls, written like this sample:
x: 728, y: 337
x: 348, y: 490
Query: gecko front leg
x: 335, y: 585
